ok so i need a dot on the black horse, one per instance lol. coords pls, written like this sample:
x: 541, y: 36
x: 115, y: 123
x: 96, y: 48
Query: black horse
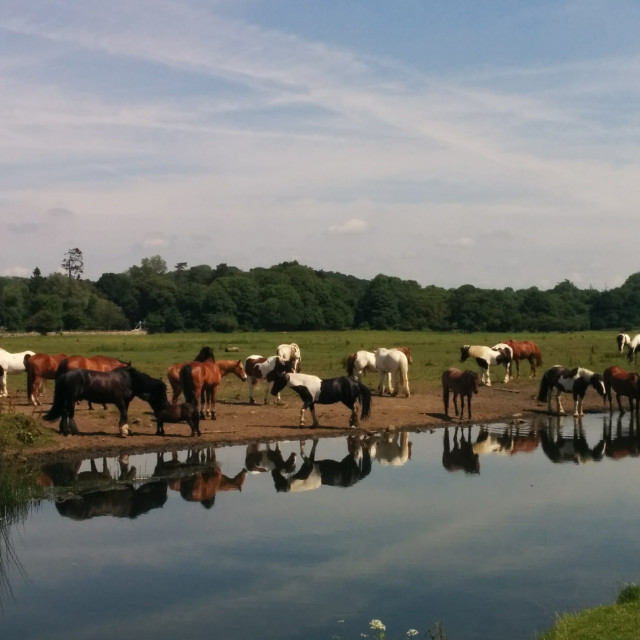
x: 117, y: 387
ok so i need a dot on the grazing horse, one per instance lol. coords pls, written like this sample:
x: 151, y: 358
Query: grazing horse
x: 173, y: 374
x: 164, y: 411
x: 632, y: 349
x: 11, y: 363
x: 395, y: 363
x: 260, y: 368
x: 524, y: 350
x: 487, y: 356
x: 558, y: 380
x: 313, y: 473
x: 313, y: 389
x: 39, y: 367
x: 206, y: 378
x: 117, y: 387
x: 291, y: 353
x: 622, y: 340
x: 460, y: 383
x: 623, y: 383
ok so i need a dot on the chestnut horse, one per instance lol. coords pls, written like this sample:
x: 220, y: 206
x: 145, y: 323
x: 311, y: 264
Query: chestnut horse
x: 39, y: 367
x: 206, y: 377
x: 525, y: 350
x: 460, y: 383
x: 623, y: 383
x: 173, y: 374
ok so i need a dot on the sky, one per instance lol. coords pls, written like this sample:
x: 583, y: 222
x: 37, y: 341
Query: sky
x: 461, y: 142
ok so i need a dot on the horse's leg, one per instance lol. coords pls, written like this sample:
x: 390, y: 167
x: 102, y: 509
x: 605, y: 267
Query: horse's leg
x: 213, y: 391
x: 176, y: 389
x: 159, y: 427
x: 3, y: 384
x: 445, y: 399
x: 455, y: 402
x: 251, y: 381
x: 123, y: 422
x: 559, y: 402
x: 72, y: 427
x: 312, y: 409
x: 486, y: 376
x: 381, y: 383
x: 468, y: 410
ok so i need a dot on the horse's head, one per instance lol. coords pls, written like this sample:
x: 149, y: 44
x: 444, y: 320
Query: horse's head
x: 598, y: 384
x: 474, y: 381
x: 206, y: 353
x: 239, y: 371
x: 464, y: 352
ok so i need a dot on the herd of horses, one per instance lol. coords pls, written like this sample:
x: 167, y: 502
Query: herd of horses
x: 104, y: 380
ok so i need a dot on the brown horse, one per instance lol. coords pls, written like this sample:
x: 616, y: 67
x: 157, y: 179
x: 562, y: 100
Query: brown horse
x: 39, y: 367
x: 624, y: 384
x: 460, y: 383
x: 525, y: 350
x: 173, y: 374
x: 206, y: 377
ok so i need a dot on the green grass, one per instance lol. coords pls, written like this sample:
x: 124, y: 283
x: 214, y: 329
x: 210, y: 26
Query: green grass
x: 619, y: 621
x: 323, y: 353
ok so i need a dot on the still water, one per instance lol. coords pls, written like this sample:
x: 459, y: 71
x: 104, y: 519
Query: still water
x: 490, y: 534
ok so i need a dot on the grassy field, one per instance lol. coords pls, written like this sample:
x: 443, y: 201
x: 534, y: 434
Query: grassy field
x: 323, y: 353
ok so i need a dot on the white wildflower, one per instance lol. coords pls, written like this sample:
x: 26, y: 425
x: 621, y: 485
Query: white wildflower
x: 377, y: 624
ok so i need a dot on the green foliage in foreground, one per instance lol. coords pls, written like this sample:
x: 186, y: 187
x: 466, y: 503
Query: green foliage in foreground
x: 620, y: 621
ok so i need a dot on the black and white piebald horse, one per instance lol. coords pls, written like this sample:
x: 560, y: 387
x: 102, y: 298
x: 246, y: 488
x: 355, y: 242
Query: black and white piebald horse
x: 313, y: 389
x: 622, y: 340
x: 559, y: 380
x: 487, y: 356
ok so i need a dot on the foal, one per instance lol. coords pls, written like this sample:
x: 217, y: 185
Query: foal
x: 460, y: 383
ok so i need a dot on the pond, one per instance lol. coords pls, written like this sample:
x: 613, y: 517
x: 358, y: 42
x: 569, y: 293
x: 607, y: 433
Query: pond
x: 490, y: 531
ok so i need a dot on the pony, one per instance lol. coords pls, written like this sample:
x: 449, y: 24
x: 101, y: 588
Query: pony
x: 524, y: 350
x: 313, y: 389
x: 39, y: 367
x: 461, y: 383
x: 259, y: 368
x: 206, y: 378
x: 313, y: 473
x: 622, y: 340
x: 11, y: 363
x: 460, y: 457
x: 117, y: 387
x: 395, y: 363
x: 291, y: 352
x: 558, y: 380
x: 632, y: 349
x: 164, y: 411
x: 360, y: 361
x: 487, y: 356
x: 173, y: 373
x: 624, y: 384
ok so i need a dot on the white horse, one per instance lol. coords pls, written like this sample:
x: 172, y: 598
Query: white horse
x: 292, y: 353
x: 487, y: 356
x: 633, y: 346
x: 395, y: 363
x: 622, y: 340
x: 391, y: 449
x: 11, y: 363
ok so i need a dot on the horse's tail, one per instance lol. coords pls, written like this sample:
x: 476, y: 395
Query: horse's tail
x: 404, y: 373
x: 188, y: 388
x: 538, y: 356
x: 351, y: 361
x: 543, y: 392
x: 30, y: 375
x: 63, y: 367
x: 59, y: 398
x: 365, y: 401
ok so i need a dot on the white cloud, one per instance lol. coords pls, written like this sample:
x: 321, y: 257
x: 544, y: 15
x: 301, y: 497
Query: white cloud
x: 353, y: 226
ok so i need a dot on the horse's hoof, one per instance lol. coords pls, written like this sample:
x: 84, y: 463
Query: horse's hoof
x: 252, y: 401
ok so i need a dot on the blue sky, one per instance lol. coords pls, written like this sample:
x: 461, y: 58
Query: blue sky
x: 487, y: 143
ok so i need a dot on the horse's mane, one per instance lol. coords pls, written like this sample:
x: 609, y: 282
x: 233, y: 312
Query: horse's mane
x: 206, y: 353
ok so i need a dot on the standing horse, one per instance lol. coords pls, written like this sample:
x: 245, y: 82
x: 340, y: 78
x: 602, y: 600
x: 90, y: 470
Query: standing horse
x: 117, y: 387
x: 558, y: 380
x: 11, y: 363
x: 632, y: 349
x: 39, y: 367
x: 524, y: 350
x: 258, y: 368
x: 622, y: 340
x: 206, y: 378
x: 624, y: 384
x: 460, y: 383
x: 487, y: 356
x: 173, y: 373
x: 395, y: 363
x: 313, y: 389
x: 291, y: 352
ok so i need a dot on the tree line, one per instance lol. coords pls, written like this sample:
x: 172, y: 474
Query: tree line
x: 292, y: 297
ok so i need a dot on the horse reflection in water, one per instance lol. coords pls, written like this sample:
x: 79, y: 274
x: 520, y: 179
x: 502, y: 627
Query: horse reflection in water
x: 261, y: 460
x: 199, y: 478
x: 313, y: 473
x: 570, y: 448
x: 460, y: 456
x: 92, y: 501
x: 506, y: 441
x: 391, y: 448
x: 623, y: 442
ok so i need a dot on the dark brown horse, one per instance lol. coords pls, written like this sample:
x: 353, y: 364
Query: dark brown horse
x: 461, y: 383
x: 39, y: 367
x: 525, y: 350
x: 623, y: 383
